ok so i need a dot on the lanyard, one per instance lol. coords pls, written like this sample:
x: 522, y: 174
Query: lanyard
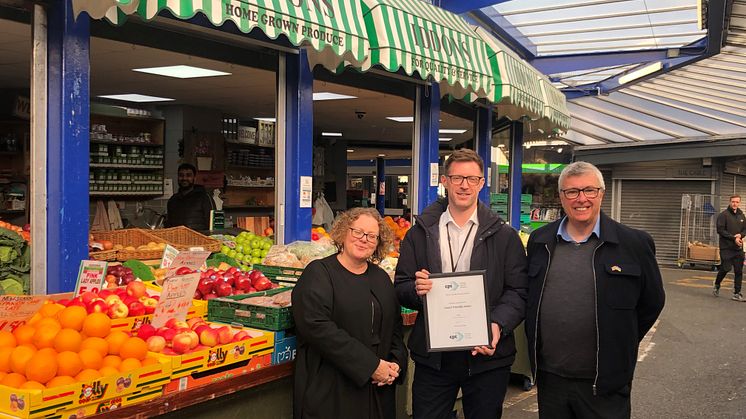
x: 448, y: 232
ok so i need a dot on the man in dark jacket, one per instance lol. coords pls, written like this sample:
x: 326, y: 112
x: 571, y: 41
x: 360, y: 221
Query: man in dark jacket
x: 731, y: 225
x: 455, y: 235
x: 594, y: 292
x: 191, y: 205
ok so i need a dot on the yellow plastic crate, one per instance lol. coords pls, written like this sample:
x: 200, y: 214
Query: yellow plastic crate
x: 73, y: 397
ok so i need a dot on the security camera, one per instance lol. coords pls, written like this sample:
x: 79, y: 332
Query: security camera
x: 360, y: 114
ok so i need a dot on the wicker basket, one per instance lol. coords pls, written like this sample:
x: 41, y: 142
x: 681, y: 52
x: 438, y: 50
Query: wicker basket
x: 131, y: 237
x: 105, y: 255
x: 183, y: 238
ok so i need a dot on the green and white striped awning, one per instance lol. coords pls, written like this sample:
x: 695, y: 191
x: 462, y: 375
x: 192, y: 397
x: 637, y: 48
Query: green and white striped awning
x: 419, y: 37
x: 325, y: 25
x: 556, y: 113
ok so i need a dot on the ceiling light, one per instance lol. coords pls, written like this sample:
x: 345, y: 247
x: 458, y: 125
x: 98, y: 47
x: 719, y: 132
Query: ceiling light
x: 401, y: 118
x: 642, y: 72
x: 501, y: 146
x: 331, y: 96
x: 452, y: 131
x: 182, y: 71
x: 349, y: 150
x: 134, y: 97
x: 266, y: 119
x: 331, y: 134
x: 381, y: 155
x: 559, y: 150
x: 442, y: 139
x: 540, y: 143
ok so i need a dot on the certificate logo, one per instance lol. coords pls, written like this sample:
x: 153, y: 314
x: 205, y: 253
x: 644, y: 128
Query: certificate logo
x: 456, y: 337
x: 451, y: 286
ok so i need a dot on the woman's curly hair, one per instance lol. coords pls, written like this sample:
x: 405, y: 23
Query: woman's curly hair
x: 344, y: 221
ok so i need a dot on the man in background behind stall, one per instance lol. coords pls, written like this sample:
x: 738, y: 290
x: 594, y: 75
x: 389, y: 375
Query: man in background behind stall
x: 191, y: 205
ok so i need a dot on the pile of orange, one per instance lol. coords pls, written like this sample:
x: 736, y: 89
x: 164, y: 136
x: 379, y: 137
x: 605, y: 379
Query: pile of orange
x: 64, y: 345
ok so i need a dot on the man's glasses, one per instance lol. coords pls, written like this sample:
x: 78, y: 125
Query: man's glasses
x: 573, y: 193
x: 359, y: 234
x: 458, y: 179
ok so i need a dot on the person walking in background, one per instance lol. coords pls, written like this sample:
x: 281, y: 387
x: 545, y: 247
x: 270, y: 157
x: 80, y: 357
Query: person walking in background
x: 594, y: 292
x: 349, y: 326
x: 731, y: 226
x: 455, y: 235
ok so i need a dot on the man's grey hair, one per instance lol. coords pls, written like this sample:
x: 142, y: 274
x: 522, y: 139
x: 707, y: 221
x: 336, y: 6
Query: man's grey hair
x: 580, y: 168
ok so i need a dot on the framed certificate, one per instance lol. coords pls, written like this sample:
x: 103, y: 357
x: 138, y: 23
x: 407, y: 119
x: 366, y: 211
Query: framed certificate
x: 456, y: 314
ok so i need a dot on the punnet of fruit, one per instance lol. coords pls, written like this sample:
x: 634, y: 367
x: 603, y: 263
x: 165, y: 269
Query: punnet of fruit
x: 134, y: 299
x: 195, y: 334
x: 215, y: 283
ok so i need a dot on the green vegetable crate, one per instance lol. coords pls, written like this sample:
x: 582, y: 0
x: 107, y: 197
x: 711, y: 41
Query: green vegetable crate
x: 230, y: 310
x: 280, y: 274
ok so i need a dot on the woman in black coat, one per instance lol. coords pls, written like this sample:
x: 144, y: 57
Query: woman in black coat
x: 348, y: 322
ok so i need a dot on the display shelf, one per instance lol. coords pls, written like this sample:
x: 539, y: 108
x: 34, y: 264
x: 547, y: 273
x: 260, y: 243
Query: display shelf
x: 124, y: 166
x: 246, y: 145
x: 94, y: 141
x: 103, y: 193
x: 183, y: 399
x: 7, y: 211
x: 238, y: 166
x: 248, y: 207
x: 249, y: 187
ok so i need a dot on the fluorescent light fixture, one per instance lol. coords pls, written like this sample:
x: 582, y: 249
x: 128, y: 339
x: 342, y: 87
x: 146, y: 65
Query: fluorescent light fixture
x: 349, y: 150
x: 642, y: 72
x: 401, y: 118
x: 331, y: 96
x: 266, y: 119
x: 134, y: 97
x: 331, y: 134
x: 182, y: 71
x: 452, y: 131
x: 381, y: 155
x: 542, y: 143
x: 442, y: 139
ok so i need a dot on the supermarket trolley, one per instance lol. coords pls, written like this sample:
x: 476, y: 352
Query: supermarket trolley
x: 698, y: 239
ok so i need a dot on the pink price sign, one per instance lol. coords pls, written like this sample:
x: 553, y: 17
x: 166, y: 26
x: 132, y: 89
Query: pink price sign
x: 91, y: 276
x: 176, y: 298
x: 15, y: 310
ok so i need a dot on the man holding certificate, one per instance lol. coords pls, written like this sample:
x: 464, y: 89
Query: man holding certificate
x: 464, y: 269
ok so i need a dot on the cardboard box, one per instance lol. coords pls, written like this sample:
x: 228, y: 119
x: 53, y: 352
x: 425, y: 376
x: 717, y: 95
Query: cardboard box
x: 701, y: 251
x: 285, y: 348
x: 199, y: 379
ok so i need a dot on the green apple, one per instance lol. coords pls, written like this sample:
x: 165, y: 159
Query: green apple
x: 256, y: 244
x: 256, y: 261
x: 256, y: 253
x: 264, y: 253
x: 267, y: 245
x: 239, y: 248
x: 224, y: 249
x: 231, y: 253
x: 247, y: 258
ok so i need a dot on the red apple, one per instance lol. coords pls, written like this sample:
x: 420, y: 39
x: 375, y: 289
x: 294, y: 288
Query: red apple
x: 149, y: 309
x: 112, y: 298
x: 205, y: 286
x: 76, y: 302
x: 145, y: 331
x: 148, y: 301
x: 242, y: 283
x: 209, y: 337
x: 166, y: 333
x: 228, y: 278
x: 223, y: 289
x: 183, y: 271
x: 263, y: 284
x: 209, y: 296
x: 97, y: 306
x: 197, y: 295
x: 225, y: 335
x: 128, y: 299
x: 171, y: 323
x: 65, y: 302
x: 200, y: 327
x: 194, y: 322
x: 118, y: 311
x: 104, y: 293
x: 136, y: 289
x: 88, y: 297
x: 156, y: 343
x: 136, y: 308
x: 195, y: 338
x: 181, y: 343
x: 241, y: 335
x: 255, y: 274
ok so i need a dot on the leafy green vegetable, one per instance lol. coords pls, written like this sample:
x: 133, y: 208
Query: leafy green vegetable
x: 217, y: 258
x: 140, y: 270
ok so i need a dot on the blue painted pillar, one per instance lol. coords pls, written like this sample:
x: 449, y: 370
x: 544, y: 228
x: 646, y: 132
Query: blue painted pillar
x: 380, y: 185
x: 299, y: 144
x: 67, y: 145
x: 484, y: 148
x: 427, y: 124
x: 516, y: 173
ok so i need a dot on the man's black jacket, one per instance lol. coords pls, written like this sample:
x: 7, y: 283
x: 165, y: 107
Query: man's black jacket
x: 729, y: 224
x: 497, y: 249
x: 191, y: 209
x: 629, y: 296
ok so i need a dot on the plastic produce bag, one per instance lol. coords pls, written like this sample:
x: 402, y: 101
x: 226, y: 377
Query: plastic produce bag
x: 324, y: 215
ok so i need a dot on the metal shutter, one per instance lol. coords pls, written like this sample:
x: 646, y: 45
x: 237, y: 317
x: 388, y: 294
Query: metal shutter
x: 606, y: 203
x: 731, y: 184
x: 655, y: 207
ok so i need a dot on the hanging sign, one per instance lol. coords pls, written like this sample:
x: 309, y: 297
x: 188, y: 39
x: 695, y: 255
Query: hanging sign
x: 91, y: 276
x: 176, y: 298
x: 15, y: 310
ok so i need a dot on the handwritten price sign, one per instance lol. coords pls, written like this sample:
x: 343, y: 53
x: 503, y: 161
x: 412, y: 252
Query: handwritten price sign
x: 15, y: 310
x: 188, y: 259
x: 91, y: 276
x: 169, y: 254
x: 176, y: 298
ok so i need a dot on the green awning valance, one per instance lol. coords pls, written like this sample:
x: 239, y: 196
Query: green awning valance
x: 419, y: 37
x: 555, y: 106
x: 324, y: 25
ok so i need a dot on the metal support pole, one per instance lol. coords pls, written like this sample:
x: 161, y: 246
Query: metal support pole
x: 380, y: 185
x: 295, y: 157
x: 38, y: 175
x: 67, y: 145
x: 516, y: 174
x: 425, y: 156
x: 483, y: 130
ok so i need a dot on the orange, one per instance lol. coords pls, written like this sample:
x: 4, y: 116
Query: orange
x: 51, y: 310
x: 108, y: 371
x: 48, y: 351
x: 19, y: 357
x: 99, y: 344
x: 72, y: 317
x: 42, y: 367
x: 69, y: 363
x: 61, y: 380
x: 149, y: 361
x: 34, y: 319
x: 91, y: 359
x: 7, y: 339
x: 97, y: 325
x: 48, y: 322
x: 5, y: 359
x: 112, y: 361
x: 88, y: 375
x: 134, y: 348
x: 14, y: 380
x: 44, y: 335
x: 24, y: 334
x: 130, y: 364
x: 67, y: 340
x: 33, y: 385
x: 116, y: 340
